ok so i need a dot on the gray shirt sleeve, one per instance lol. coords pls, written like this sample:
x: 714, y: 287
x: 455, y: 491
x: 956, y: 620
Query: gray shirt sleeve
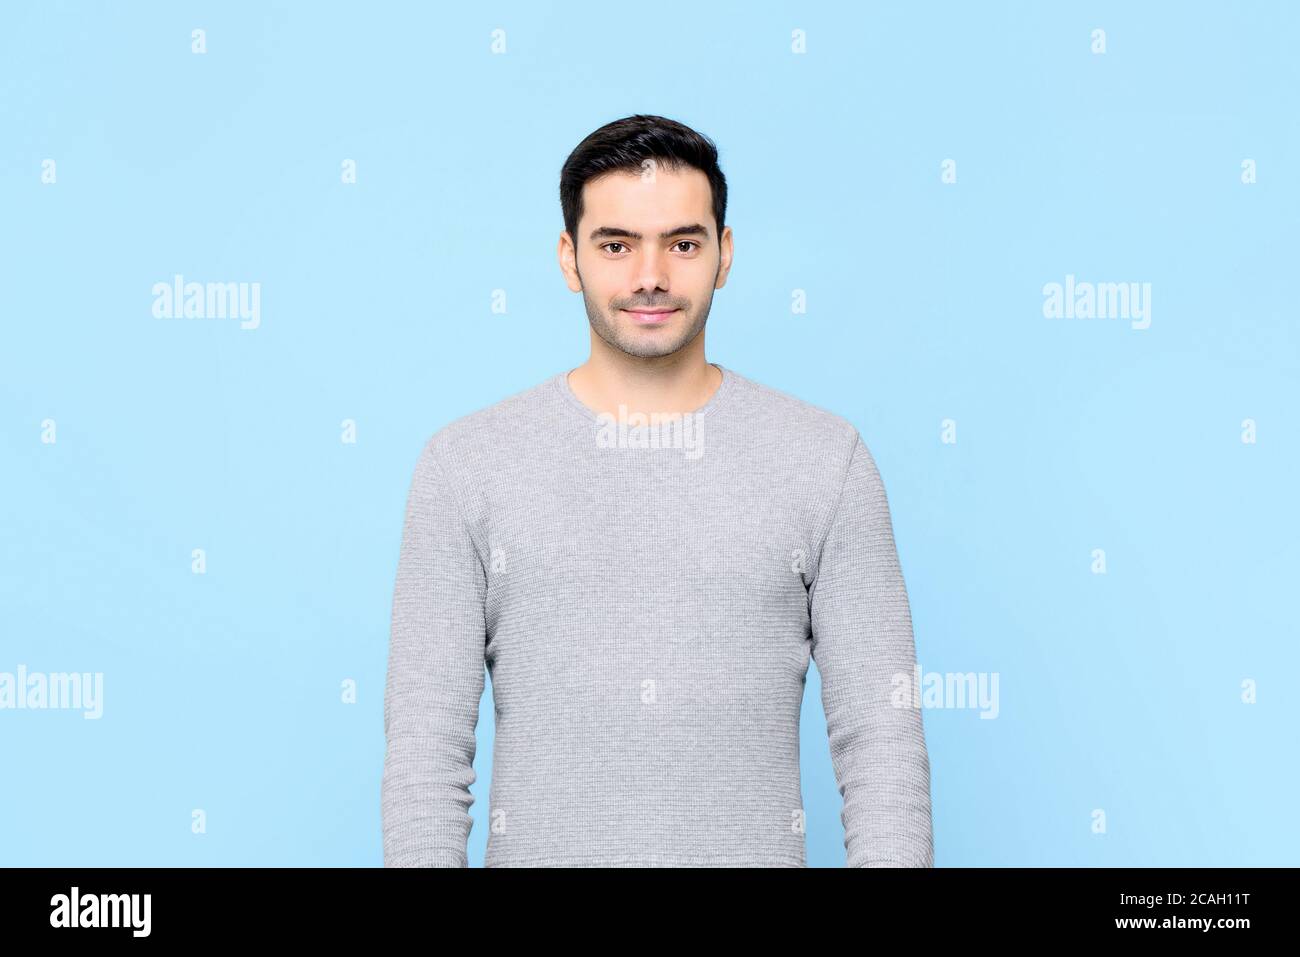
x: 435, y: 678
x: 863, y: 646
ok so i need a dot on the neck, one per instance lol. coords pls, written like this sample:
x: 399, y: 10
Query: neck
x: 681, y: 382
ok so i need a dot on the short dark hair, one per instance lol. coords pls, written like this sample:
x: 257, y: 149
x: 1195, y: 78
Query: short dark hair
x: 627, y: 143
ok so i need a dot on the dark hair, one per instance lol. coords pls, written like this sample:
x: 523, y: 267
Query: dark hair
x: 624, y: 145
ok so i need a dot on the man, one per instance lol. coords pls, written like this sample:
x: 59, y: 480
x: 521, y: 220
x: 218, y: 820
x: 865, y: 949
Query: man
x: 645, y: 552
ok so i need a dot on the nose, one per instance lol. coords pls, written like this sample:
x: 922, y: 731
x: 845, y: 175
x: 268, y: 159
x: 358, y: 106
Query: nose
x: 652, y: 271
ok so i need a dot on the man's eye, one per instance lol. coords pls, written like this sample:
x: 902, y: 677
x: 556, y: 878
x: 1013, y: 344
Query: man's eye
x: 685, y: 242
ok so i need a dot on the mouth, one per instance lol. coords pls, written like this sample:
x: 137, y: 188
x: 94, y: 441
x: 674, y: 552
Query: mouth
x: 650, y: 317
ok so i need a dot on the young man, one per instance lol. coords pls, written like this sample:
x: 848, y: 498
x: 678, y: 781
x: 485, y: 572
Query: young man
x: 645, y: 552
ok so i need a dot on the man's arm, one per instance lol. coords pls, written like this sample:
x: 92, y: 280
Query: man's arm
x: 435, y: 679
x: 862, y: 639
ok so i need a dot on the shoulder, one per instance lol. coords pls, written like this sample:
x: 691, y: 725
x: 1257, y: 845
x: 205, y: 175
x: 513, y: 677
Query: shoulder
x: 476, y: 437
x: 812, y: 429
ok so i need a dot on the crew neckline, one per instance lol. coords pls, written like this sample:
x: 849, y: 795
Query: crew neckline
x: 561, y: 381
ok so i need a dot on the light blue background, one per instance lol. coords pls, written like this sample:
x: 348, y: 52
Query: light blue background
x: 222, y: 691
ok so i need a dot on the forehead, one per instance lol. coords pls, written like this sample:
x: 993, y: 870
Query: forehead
x: 658, y: 197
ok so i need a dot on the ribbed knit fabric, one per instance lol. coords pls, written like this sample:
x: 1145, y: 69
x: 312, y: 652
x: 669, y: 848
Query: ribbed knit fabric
x: 647, y: 616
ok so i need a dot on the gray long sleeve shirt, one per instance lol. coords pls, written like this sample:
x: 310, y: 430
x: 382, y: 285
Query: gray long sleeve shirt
x: 646, y: 596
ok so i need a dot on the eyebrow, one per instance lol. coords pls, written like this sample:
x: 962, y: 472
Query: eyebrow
x: 618, y: 232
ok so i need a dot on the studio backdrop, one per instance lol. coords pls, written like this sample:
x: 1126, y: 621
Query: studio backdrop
x: 1042, y: 256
